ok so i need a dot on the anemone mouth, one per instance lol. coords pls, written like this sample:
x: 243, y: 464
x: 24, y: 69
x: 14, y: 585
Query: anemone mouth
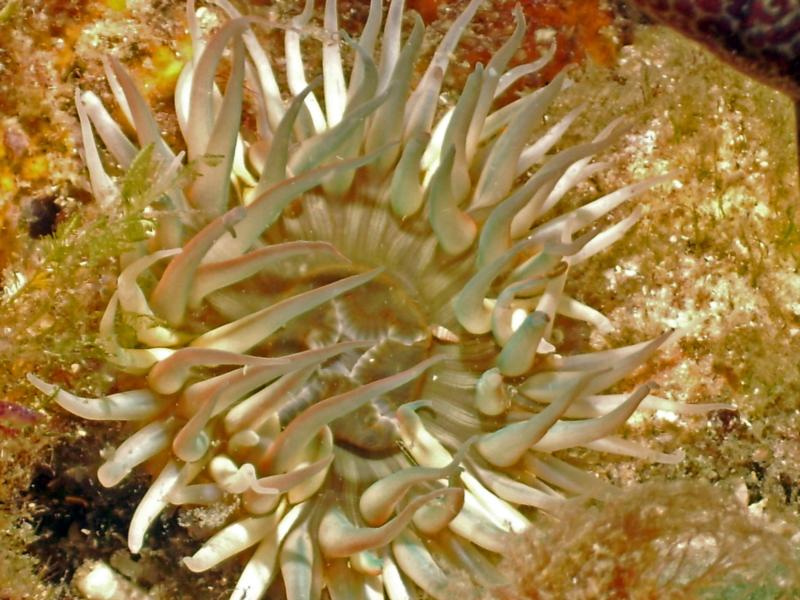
x: 351, y: 329
x: 399, y: 310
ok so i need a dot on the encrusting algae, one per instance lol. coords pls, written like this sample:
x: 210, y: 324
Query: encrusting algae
x: 347, y: 443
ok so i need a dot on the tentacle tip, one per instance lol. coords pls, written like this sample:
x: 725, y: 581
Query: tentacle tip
x: 33, y: 379
x: 672, y: 335
x: 135, y: 543
x: 194, y: 565
x: 110, y: 474
x: 41, y: 385
x: 673, y: 458
x: 606, y: 328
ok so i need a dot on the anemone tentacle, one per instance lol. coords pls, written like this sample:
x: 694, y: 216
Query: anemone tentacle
x: 353, y: 324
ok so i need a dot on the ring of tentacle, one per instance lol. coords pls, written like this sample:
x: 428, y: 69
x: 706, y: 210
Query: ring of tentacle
x: 346, y: 319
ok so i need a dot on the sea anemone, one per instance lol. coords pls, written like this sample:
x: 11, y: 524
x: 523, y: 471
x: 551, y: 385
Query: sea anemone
x: 343, y: 325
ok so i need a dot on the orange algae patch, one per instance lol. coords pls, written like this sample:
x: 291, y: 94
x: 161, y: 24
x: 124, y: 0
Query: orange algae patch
x: 427, y: 9
x: 64, y: 57
x: 581, y: 31
x: 582, y: 27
